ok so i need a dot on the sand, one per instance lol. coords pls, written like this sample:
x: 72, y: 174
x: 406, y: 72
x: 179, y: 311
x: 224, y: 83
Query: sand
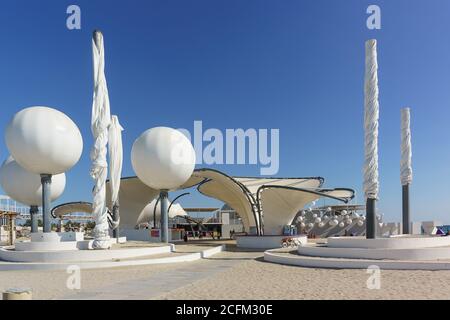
x: 246, y: 276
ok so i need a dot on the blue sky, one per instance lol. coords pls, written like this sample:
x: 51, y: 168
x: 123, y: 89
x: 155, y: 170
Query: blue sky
x: 294, y: 65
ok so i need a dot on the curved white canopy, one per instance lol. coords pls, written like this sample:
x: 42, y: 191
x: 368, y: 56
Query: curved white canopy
x: 280, y: 204
x: 147, y: 214
x: 258, y: 201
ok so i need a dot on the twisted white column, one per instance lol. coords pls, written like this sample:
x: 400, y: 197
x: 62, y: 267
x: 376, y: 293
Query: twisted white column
x: 100, y: 122
x: 406, y: 153
x: 371, y: 114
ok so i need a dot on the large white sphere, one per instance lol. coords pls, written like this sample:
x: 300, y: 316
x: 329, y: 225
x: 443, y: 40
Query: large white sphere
x: 360, y: 223
x: 25, y: 187
x: 163, y: 158
x: 341, y: 224
x: 44, y: 140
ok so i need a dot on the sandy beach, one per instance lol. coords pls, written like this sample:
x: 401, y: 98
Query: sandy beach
x: 230, y: 275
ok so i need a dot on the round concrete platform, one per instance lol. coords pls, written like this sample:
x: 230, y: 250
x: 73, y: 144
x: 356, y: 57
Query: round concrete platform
x: 292, y: 258
x: 425, y: 254
x: 168, y: 258
x: 398, y: 252
x: 393, y: 242
x: 266, y: 242
x: 80, y: 255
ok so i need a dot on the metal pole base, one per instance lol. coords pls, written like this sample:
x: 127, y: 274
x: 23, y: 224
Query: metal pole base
x: 406, y: 222
x: 371, y: 219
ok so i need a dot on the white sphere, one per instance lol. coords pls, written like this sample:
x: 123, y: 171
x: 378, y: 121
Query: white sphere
x: 348, y: 221
x: 314, y: 215
x: 300, y: 219
x: 310, y: 225
x: 303, y: 212
x: 163, y: 158
x: 302, y: 225
x: 341, y: 224
x: 321, y: 225
x: 309, y: 209
x: 44, y: 140
x: 25, y: 187
x: 328, y: 209
x: 334, y: 222
x: 318, y: 220
x: 363, y: 218
x: 344, y: 212
x: 360, y: 223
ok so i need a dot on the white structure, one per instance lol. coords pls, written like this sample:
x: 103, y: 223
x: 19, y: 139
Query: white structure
x: 371, y: 115
x: 36, y: 137
x: 100, y: 121
x: 265, y: 204
x: 147, y: 213
x: 25, y: 187
x: 116, y: 161
x: 164, y: 159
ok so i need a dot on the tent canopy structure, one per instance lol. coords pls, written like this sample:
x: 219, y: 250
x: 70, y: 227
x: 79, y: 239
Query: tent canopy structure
x: 264, y: 204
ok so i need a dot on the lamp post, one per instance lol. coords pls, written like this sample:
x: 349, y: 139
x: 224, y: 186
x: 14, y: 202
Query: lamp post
x: 371, y: 114
x: 46, y: 142
x: 26, y: 187
x: 164, y: 159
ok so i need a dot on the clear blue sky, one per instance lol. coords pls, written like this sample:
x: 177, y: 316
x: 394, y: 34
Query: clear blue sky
x: 294, y: 65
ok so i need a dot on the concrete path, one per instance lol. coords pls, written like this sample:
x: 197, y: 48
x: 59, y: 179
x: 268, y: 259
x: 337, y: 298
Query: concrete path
x: 166, y: 281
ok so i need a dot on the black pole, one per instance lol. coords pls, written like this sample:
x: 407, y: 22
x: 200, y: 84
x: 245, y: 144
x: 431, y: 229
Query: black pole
x: 371, y: 219
x: 116, y: 233
x: 46, y: 180
x: 405, y: 204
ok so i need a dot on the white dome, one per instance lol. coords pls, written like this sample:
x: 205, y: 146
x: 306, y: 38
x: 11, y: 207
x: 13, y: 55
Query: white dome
x: 44, y: 140
x: 341, y: 224
x: 25, y: 187
x: 146, y: 214
x: 163, y: 158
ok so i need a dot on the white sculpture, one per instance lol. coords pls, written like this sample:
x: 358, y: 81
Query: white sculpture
x: 44, y: 141
x: 100, y: 121
x: 25, y: 187
x: 163, y: 158
x: 406, y: 153
x: 116, y: 161
x: 371, y: 115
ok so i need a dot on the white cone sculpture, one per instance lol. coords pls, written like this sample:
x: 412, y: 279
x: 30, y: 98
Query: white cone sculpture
x: 371, y: 114
x: 405, y: 167
x: 100, y: 121
x: 25, y: 187
x: 46, y: 142
x: 116, y: 161
x: 164, y: 159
